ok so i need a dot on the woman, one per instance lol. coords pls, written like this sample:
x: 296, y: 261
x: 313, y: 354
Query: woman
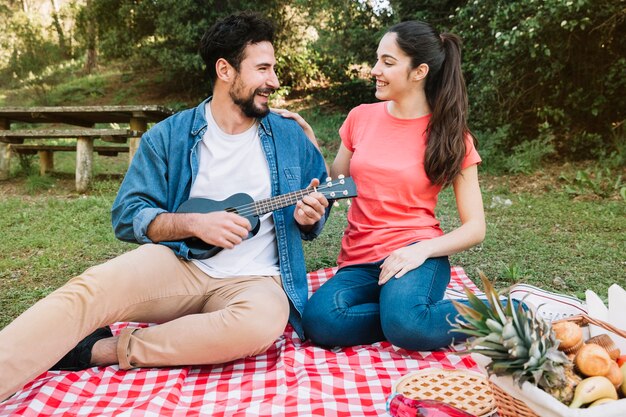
x: 401, y: 152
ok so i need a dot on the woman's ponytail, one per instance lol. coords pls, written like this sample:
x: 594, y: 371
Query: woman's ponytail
x: 446, y: 95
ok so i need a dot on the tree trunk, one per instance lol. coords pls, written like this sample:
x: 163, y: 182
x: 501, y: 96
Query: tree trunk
x: 91, y: 58
x: 59, y: 29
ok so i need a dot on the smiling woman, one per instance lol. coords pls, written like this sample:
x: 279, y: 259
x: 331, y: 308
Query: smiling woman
x: 393, y: 264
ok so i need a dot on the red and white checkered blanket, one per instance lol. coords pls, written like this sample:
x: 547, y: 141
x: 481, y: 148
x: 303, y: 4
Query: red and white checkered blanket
x: 291, y: 379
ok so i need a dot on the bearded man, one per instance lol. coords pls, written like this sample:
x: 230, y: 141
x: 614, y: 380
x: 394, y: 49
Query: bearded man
x: 207, y: 310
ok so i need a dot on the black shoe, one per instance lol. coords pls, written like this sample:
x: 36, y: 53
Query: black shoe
x: 79, y: 358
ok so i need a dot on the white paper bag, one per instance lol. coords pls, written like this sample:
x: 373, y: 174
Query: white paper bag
x: 614, y: 314
x: 617, y: 315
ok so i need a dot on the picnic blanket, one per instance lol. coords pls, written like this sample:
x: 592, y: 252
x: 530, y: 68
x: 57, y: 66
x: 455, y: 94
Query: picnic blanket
x: 293, y: 378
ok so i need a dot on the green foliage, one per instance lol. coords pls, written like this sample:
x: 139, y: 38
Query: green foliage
x: 37, y: 183
x: 26, y: 166
x: 348, y: 32
x: 492, y: 146
x: 120, y: 25
x: 535, y: 69
x: 601, y: 182
x: 76, y: 90
x: 527, y: 156
x: 297, y: 62
x: 350, y: 93
x: 52, y: 238
x: 30, y: 50
x: 556, y: 243
x: 435, y: 12
x: 512, y: 272
x: 546, y: 63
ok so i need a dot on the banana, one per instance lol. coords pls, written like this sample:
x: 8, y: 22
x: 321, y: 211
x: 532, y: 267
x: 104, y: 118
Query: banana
x: 591, y: 389
x: 601, y: 401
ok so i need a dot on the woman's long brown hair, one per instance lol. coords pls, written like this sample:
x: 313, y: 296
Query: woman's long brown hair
x: 446, y: 95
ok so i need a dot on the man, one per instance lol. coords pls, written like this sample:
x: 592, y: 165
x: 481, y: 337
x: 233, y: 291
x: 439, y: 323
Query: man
x: 213, y: 310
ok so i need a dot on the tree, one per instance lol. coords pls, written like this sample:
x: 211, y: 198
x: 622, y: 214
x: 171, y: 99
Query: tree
x: 547, y: 68
x: 58, y: 27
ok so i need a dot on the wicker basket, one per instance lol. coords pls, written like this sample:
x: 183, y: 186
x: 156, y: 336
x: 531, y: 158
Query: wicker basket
x: 512, y: 407
x: 467, y: 390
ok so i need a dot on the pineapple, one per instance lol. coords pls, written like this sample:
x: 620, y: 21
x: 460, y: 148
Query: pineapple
x: 519, y: 343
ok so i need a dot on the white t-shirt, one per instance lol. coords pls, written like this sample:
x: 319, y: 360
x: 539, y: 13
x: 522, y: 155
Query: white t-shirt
x: 230, y: 164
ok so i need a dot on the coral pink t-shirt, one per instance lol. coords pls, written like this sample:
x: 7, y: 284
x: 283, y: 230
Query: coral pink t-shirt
x: 396, y: 201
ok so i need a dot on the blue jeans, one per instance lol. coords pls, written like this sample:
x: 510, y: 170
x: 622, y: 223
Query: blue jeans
x: 352, y: 309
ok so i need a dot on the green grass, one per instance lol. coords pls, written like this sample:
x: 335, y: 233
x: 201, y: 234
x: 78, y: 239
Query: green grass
x: 48, y: 239
x: 326, y: 126
x: 66, y: 85
x: 544, y: 237
x: 551, y: 241
x: 546, y: 240
x: 65, y: 162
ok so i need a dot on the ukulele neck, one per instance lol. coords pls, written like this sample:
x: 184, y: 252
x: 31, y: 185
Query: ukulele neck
x: 268, y: 205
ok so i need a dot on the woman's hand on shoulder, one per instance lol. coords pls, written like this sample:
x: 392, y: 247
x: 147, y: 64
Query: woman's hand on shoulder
x: 306, y: 127
x: 402, y: 261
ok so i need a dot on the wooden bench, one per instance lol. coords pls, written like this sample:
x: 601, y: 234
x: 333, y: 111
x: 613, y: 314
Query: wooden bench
x: 84, y: 147
x: 83, y: 119
x: 108, y: 135
x: 35, y: 149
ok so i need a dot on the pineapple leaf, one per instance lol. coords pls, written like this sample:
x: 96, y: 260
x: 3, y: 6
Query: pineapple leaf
x: 492, y: 298
x: 518, y: 342
x: 466, y: 311
x: 520, y: 322
x: 478, y: 304
x: 492, y: 345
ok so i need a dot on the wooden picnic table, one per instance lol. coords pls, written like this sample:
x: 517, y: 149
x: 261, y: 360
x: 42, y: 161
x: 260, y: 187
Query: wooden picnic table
x: 85, y: 117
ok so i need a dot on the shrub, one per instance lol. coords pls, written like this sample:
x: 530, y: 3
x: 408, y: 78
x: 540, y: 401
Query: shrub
x: 551, y: 62
x: 349, y: 94
x: 527, y: 156
x: 600, y: 182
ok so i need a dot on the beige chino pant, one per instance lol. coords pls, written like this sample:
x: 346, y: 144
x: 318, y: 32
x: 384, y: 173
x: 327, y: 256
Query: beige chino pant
x: 203, y: 320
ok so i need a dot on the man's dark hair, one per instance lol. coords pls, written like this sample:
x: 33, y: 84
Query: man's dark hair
x: 228, y: 38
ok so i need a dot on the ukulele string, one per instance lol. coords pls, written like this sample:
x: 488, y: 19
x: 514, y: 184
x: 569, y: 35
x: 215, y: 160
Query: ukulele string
x: 251, y: 208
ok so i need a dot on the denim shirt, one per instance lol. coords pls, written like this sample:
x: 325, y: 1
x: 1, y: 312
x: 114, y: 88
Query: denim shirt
x: 166, y: 163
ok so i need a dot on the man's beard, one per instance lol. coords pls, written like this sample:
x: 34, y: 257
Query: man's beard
x: 247, y: 105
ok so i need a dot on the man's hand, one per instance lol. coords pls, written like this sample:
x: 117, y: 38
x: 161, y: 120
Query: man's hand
x: 218, y: 228
x: 222, y: 229
x: 311, y: 208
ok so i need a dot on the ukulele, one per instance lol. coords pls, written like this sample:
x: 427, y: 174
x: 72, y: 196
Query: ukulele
x: 245, y: 206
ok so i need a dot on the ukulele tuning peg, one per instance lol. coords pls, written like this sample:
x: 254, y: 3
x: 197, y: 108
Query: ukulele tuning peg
x: 328, y: 179
x: 341, y: 176
x: 335, y: 203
